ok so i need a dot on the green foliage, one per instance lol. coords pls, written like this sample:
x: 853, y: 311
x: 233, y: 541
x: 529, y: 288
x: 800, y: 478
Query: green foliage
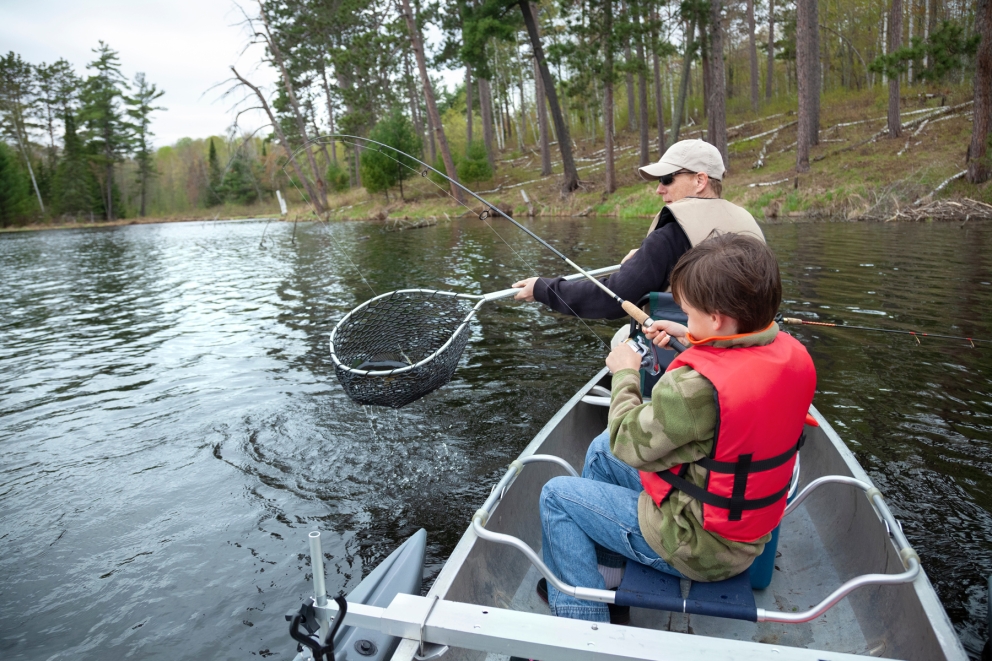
x: 15, y: 191
x: 74, y: 182
x: 337, y: 178
x: 438, y: 165
x: 139, y: 109
x: 383, y: 168
x: 475, y: 166
x: 240, y: 185
x: 214, y: 196
x: 947, y: 51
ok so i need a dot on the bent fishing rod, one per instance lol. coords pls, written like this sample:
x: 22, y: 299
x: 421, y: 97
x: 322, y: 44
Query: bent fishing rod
x: 630, y: 308
x: 916, y: 334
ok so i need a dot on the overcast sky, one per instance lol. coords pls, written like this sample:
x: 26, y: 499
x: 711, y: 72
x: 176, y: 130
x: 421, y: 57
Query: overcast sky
x: 185, y: 47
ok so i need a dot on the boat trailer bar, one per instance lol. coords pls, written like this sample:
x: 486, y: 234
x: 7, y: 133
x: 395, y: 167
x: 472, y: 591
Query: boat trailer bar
x: 910, y: 560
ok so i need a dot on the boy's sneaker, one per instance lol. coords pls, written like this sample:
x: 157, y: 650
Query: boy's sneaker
x: 618, y: 614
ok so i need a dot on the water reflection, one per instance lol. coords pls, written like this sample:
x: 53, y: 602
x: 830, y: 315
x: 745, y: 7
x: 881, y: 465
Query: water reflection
x: 171, y: 427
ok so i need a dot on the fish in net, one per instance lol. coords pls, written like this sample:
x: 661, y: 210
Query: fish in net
x: 400, y: 346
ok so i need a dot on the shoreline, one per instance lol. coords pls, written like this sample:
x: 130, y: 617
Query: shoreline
x: 957, y: 209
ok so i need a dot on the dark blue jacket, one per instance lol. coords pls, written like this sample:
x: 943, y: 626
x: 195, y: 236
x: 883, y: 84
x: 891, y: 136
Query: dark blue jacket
x: 647, y: 271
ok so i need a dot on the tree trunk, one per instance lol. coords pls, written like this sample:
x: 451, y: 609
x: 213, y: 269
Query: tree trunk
x: 468, y: 107
x: 895, y: 42
x: 486, y: 107
x: 522, y: 129
x: 909, y: 37
x: 611, y: 175
x: 659, y: 105
x: 753, y: 52
x: 717, y: 119
x: 642, y: 84
x: 571, y: 175
x: 804, y: 84
x: 27, y: 161
x: 771, y: 50
x: 320, y: 200
x: 684, y: 82
x: 979, y: 168
x: 418, y: 52
x: 707, y: 72
x: 542, y: 121
x: 279, y: 134
x: 814, y: 63
x: 330, y: 114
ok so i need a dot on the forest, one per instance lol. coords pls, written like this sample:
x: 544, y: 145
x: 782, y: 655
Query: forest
x: 561, y: 83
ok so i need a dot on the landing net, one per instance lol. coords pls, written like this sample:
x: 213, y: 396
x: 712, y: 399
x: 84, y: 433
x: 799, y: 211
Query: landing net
x: 400, y: 346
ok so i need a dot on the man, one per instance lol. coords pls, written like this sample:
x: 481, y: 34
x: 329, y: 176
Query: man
x: 690, y: 181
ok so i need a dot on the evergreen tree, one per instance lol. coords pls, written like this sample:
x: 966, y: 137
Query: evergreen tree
x: 15, y: 192
x: 382, y: 170
x: 475, y: 166
x: 110, y: 135
x: 17, y: 108
x: 214, y: 196
x: 240, y: 182
x: 74, y: 181
x: 139, y: 110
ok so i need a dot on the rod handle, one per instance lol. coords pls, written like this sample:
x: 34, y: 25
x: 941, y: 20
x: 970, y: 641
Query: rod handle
x: 637, y: 313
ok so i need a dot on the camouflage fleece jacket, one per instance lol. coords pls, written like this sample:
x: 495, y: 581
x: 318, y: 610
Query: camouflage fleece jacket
x: 677, y: 427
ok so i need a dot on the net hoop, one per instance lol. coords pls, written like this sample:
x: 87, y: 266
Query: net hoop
x: 400, y: 370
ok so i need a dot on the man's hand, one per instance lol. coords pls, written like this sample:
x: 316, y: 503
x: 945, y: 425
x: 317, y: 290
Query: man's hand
x: 623, y: 357
x: 662, y: 330
x: 629, y: 255
x: 526, y: 287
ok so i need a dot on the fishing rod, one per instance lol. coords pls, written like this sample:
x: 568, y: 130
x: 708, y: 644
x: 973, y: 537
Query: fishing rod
x: 630, y: 308
x: 916, y: 334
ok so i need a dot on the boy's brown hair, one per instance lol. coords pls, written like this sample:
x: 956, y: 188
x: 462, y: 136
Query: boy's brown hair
x: 733, y: 274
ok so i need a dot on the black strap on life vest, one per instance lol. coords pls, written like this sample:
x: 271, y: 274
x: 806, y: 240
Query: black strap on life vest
x: 740, y: 469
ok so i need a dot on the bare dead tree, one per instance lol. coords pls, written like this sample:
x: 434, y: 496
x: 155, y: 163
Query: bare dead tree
x: 611, y: 175
x: 642, y: 84
x: 804, y: 84
x: 307, y: 183
x: 320, y: 198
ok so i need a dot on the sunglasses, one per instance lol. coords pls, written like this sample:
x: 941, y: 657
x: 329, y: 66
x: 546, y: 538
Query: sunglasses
x: 667, y: 179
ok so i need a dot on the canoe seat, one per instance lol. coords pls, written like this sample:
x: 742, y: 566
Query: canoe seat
x: 645, y: 587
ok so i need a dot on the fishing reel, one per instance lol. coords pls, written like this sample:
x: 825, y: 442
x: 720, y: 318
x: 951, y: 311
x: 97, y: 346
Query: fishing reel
x: 648, y: 352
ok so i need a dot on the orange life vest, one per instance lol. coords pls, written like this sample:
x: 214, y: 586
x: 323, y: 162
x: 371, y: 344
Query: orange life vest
x: 763, y: 394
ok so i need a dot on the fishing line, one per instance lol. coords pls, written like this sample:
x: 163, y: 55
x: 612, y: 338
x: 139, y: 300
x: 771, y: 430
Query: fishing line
x: 916, y: 334
x: 484, y: 216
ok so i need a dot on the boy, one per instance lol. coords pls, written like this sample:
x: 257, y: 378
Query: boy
x: 693, y: 482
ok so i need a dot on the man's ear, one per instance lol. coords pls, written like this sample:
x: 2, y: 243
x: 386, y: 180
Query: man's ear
x: 702, y: 181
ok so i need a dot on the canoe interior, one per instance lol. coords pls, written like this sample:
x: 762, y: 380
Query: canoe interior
x: 833, y: 536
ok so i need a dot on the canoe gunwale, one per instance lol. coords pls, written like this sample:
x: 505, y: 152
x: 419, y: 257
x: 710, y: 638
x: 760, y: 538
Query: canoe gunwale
x: 901, y: 621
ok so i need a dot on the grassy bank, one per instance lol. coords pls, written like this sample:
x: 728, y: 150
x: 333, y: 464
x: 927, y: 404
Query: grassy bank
x: 856, y: 172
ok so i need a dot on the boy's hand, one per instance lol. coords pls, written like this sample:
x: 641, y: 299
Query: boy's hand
x: 623, y: 357
x: 662, y: 330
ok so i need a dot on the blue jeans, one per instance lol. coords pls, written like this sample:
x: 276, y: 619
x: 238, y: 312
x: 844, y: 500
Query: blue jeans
x: 593, y: 519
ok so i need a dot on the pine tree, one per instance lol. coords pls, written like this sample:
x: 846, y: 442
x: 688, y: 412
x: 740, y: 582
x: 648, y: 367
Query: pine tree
x: 15, y: 195
x: 214, y: 191
x: 381, y: 170
x: 139, y: 110
x: 110, y: 134
x: 73, y: 179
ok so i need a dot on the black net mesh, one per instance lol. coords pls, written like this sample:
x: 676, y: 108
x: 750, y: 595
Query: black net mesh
x: 394, y: 332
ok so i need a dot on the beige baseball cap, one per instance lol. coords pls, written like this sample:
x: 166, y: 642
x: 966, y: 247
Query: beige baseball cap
x: 692, y: 155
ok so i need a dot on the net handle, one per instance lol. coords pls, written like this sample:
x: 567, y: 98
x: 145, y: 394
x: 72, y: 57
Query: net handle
x: 507, y: 293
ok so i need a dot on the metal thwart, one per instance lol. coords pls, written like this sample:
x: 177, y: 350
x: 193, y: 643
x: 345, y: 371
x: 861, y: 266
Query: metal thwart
x: 399, y: 346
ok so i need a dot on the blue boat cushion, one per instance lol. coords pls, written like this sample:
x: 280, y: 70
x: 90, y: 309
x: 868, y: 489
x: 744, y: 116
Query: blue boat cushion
x: 645, y: 587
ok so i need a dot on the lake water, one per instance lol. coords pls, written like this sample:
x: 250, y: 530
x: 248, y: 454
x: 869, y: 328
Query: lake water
x: 171, y: 427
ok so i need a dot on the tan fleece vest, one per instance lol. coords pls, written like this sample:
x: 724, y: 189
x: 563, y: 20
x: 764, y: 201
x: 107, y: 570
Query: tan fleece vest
x: 699, y: 217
